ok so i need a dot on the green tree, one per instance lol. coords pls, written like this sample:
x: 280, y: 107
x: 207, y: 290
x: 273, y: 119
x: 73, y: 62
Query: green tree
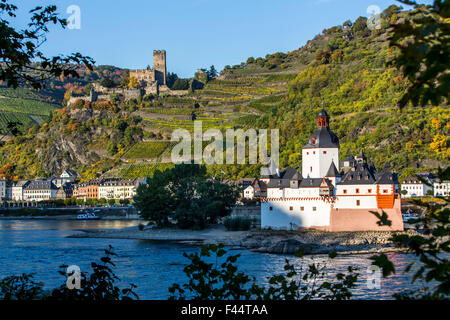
x: 171, y: 78
x: 431, y: 246
x: 180, y: 84
x: 107, y: 83
x: 99, y: 285
x: 219, y: 279
x: 212, y: 73
x: 360, y: 25
x: 184, y: 193
x: 423, y: 43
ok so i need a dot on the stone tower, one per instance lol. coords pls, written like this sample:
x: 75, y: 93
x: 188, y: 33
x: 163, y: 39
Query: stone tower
x: 159, y: 66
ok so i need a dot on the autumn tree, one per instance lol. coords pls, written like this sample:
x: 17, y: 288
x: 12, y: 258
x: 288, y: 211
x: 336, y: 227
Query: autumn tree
x: 134, y: 83
x: 21, y: 61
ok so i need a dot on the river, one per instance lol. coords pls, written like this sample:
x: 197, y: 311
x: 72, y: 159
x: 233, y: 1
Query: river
x: 41, y: 246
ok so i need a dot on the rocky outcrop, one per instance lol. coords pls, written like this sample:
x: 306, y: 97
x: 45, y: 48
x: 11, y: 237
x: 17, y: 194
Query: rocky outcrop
x: 64, y: 152
x: 282, y: 242
x: 59, y: 151
x: 291, y: 246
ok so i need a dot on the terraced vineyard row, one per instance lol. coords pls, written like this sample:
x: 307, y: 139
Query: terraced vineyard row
x: 6, y: 117
x: 27, y: 106
x: 147, y: 150
x: 142, y: 170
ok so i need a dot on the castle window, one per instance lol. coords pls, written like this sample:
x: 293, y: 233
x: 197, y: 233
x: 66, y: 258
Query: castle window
x: 307, y: 153
x: 270, y: 208
x: 345, y: 191
x: 310, y: 169
x: 302, y: 208
x: 291, y: 208
x: 357, y: 190
x: 369, y: 190
x: 314, y: 152
x: 324, y: 152
x: 314, y: 208
x: 385, y: 191
x: 358, y: 203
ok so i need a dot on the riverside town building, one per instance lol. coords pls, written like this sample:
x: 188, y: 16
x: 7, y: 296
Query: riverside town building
x: 66, y: 187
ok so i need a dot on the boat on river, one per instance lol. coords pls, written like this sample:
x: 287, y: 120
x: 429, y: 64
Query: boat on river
x: 88, y: 216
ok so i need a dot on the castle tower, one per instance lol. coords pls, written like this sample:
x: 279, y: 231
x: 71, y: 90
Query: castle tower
x: 322, y: 149
x: 159, y: 66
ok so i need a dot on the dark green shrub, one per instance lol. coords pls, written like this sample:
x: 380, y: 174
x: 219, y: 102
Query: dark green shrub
x: 237, y: 223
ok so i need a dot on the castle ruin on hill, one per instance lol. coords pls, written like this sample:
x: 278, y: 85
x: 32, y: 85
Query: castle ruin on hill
x: 151, y: 81
x: 157, y: 75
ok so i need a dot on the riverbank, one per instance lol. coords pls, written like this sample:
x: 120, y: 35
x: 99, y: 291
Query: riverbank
x: 268, y: 241
x: 62, y: 214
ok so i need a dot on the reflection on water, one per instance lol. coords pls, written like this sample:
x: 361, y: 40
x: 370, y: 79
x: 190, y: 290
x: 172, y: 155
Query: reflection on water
x: 40, y: 247
x: 65, y: 224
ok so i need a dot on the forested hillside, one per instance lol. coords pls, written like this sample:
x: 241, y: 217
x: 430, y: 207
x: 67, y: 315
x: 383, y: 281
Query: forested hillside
x: 343, y: 69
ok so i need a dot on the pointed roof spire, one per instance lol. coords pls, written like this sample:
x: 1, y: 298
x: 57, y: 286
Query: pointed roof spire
x: 332, y: 171
x: 323, y: 113
x: 270, y: 170
x: 372, y: 167
x: 361, y: 153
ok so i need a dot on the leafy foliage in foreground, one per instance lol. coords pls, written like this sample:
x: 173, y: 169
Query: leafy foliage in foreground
x: 99, y: 285
x: 423, y: 42
x: 432, y: 247
x: 223, y: 281
x: 22, y: 61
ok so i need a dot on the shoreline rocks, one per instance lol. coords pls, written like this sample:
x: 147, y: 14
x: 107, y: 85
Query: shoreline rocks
x: 264, y: 241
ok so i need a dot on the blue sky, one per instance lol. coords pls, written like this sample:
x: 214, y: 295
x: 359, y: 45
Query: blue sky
x: 195, y: 33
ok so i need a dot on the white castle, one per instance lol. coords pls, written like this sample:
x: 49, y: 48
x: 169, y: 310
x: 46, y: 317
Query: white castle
x: 325, y: 196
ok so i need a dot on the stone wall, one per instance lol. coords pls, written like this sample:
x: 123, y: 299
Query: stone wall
x: 364, y: 220
x: 143, y: 75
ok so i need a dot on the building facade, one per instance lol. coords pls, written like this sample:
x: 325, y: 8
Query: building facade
x: 441, y: 188
x: 40, y: 190
x: 257, y: 189
x: 414, y: 187
x: 326, y: 198
x: 68, y: 176
x: 2, y: 189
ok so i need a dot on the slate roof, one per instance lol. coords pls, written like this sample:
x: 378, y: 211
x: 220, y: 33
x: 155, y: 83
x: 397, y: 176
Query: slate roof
x: 387, y: 177
x: 288, y: 173
x: 323, y: 138
x: 332, y: 171
x: 359, y: 174
x: 40, y: 185
x: 362, y: 173
x: 291, y: 174
x: 70, y: 173
x: 279, y: 183
x: 349, y: 157
x: 258, y: 184
x: 323, y: 113
x: 412, y: 180
x: 310, y: 183
x: 21, y: 183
